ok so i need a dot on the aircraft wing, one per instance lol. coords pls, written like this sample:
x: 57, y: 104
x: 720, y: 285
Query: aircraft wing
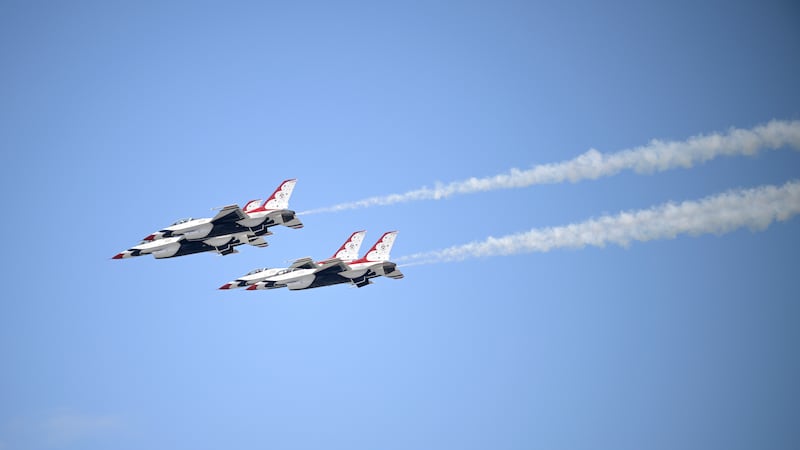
x: 304, y: 263
x: 230, y: 213
x: 333, y: 265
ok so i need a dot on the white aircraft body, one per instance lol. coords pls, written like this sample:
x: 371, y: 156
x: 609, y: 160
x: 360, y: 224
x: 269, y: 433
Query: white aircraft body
x: 347, y: 252
x: 306, y: 274
x: 230, y: 228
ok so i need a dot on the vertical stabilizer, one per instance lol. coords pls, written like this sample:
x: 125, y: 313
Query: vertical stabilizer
x: 280, y: 198
x: 380, y: 251
x: 349, y: 250
x: 251, y: 206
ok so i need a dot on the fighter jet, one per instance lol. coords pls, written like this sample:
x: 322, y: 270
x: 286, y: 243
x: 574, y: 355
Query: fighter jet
x: 231, y: 219
x: 230, y: 228
x: 346, y: 253
x: 306, y: 274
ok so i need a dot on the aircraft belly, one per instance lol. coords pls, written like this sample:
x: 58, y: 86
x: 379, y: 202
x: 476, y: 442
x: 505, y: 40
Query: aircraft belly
x: 191, y: 247
x: 167, y: 251
x: 199, y: 232
x: 250, y: 222
x: 228, y: 228
x: 218, y: 241
x: 302, y: 282
x: 327, y: 280
x: 353, y: 273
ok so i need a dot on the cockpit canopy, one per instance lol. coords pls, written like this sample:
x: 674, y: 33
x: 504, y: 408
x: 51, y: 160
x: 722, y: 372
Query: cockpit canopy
x: 254, y: 271
x: 178, y: 222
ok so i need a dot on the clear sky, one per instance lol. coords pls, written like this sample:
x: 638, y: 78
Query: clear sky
x: 117, y: 118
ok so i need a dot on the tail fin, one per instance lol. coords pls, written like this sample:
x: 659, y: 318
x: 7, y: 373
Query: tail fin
x: 280, y: 198
x: 349, y: 250
x: 380, y: 251
x: 251, y: 206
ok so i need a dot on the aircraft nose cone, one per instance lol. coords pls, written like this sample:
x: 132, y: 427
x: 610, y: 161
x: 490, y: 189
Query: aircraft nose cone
x: 225, y: 286
x: 252, y: 287
x: 118, y: 256
x: 149, y: 237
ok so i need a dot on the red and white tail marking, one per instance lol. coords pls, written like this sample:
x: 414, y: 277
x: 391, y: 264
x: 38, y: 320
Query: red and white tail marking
x: 349, y: 250
x: 280, y: 198
x: 380, y: 251
x: 251, y: 206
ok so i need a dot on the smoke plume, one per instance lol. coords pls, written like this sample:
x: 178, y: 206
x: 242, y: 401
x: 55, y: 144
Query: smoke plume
x: 753, y: 208
x: 656, y: 156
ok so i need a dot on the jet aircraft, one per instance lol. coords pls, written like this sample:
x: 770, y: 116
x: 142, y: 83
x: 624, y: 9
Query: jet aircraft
x: 231, y: 219
x: 346, y: 253
x: 230, y: 228
x: 306, y: 274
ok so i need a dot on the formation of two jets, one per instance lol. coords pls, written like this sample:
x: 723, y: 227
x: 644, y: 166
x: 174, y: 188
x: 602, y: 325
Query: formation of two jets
x: 234, y: 226
x: 343, y: 267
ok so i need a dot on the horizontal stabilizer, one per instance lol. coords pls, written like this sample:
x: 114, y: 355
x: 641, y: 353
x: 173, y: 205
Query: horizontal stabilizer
x: 396, y: 274
x: 288, y: 218
x: 388, y: 269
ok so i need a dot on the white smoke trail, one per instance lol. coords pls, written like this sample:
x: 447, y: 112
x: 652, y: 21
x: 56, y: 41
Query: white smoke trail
x: 656, y: 156
x: 754, y: 208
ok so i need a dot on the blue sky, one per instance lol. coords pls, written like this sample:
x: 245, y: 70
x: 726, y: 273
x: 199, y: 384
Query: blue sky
x: 117, y: 119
